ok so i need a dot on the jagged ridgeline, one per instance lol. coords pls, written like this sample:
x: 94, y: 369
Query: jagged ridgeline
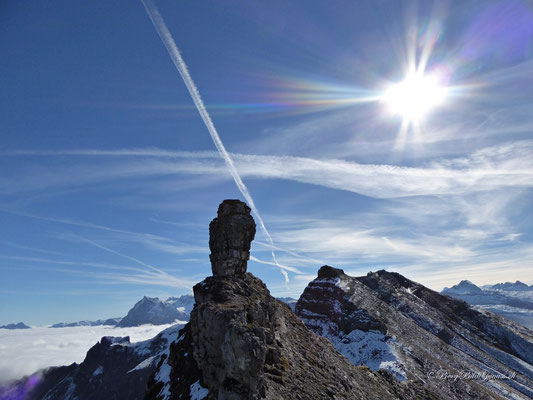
x: 380, y: 336
x: 242, y: 343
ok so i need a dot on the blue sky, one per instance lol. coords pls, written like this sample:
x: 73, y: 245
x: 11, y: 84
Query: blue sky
x: 109, y: 177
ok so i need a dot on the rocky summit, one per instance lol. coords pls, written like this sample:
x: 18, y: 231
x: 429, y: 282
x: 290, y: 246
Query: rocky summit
x: 230, y: 235
x: 242, y: 343
x: 386, y: 321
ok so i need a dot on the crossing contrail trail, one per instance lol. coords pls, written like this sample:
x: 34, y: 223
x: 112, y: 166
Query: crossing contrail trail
x: 174, y: 53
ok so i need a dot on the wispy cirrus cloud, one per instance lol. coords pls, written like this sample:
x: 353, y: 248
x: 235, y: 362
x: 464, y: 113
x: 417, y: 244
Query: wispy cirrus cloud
x: 102, y: 272
x: 439, y: 214
x: 497, y: 167
x: 150, y: 240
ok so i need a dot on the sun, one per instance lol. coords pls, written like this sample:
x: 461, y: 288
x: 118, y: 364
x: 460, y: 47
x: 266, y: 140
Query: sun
x: 414, y: 97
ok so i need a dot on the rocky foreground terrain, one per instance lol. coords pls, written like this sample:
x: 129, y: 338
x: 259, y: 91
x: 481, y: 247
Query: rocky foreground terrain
x: 380, y: 336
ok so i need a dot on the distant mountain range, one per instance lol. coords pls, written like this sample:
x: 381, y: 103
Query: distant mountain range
x: 20, y: 325
x: 148, y: 310
x: 151, y: 310
x: 510, y: 300
x: 402, y: 331
x: 99, y: 322
x: 516, y: 286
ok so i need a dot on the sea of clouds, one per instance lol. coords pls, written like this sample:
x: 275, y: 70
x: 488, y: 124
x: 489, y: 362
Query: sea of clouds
x: 24, y: 351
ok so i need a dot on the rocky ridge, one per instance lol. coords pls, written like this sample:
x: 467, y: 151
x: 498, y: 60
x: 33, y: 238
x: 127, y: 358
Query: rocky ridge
x: 517, y: 286
x: 242, y: 343
x: 113, y: 369
x: 384, y: 320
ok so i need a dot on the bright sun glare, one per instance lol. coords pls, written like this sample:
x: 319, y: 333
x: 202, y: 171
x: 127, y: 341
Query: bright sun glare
x: 414, y: 97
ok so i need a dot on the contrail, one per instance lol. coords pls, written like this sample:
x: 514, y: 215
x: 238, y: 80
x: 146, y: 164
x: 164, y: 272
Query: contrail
x: 174, y: 53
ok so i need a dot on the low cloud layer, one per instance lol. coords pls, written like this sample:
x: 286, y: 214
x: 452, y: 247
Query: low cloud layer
x: 24, y: 352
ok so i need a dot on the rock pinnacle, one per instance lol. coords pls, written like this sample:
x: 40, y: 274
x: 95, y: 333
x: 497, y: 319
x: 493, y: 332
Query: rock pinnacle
x: 230, y: 235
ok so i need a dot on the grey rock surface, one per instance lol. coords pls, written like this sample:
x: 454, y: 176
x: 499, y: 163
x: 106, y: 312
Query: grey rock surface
x: 230, y: 235
x: 243, y: 344
x: 385, y: 320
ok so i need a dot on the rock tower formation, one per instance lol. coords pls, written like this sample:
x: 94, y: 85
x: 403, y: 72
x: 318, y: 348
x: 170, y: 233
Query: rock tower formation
x: 230, y: 235
x: 243, y: 344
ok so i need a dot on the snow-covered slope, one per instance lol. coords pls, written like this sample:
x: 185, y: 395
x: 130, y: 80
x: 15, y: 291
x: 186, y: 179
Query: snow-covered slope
x: 184, y: 304
x: 384, y: 320
x: 463, y: 287
x: 151, y: 310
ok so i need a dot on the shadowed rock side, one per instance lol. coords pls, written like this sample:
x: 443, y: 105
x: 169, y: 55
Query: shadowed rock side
x: 241, y: 343
x: 113, y: 369
x: 384, y: 320
x: 230, y: 235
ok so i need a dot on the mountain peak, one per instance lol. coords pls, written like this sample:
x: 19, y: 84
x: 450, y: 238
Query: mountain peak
x: 152, y: 310
x: 329, y: 272
x: 20, y: 325
x: 385, y: 321
x: 242, y: 343
x: 463, y: 287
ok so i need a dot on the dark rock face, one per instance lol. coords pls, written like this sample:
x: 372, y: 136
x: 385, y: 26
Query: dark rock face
x: 384, y: 320
x: 230, y: 235
x: 243, y: 344
x: 113, y: 369
x: 233, y: 331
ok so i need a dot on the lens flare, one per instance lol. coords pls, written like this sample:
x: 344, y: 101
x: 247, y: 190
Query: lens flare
x: 414, y: 97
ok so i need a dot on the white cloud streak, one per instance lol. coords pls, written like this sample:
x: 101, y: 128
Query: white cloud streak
x: 444, y: 212
x: 498, y: 167
x: 175, y: 55
x: 120, y: 274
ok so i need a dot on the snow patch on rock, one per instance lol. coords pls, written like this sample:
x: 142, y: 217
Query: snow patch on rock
x: 198, y: 392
